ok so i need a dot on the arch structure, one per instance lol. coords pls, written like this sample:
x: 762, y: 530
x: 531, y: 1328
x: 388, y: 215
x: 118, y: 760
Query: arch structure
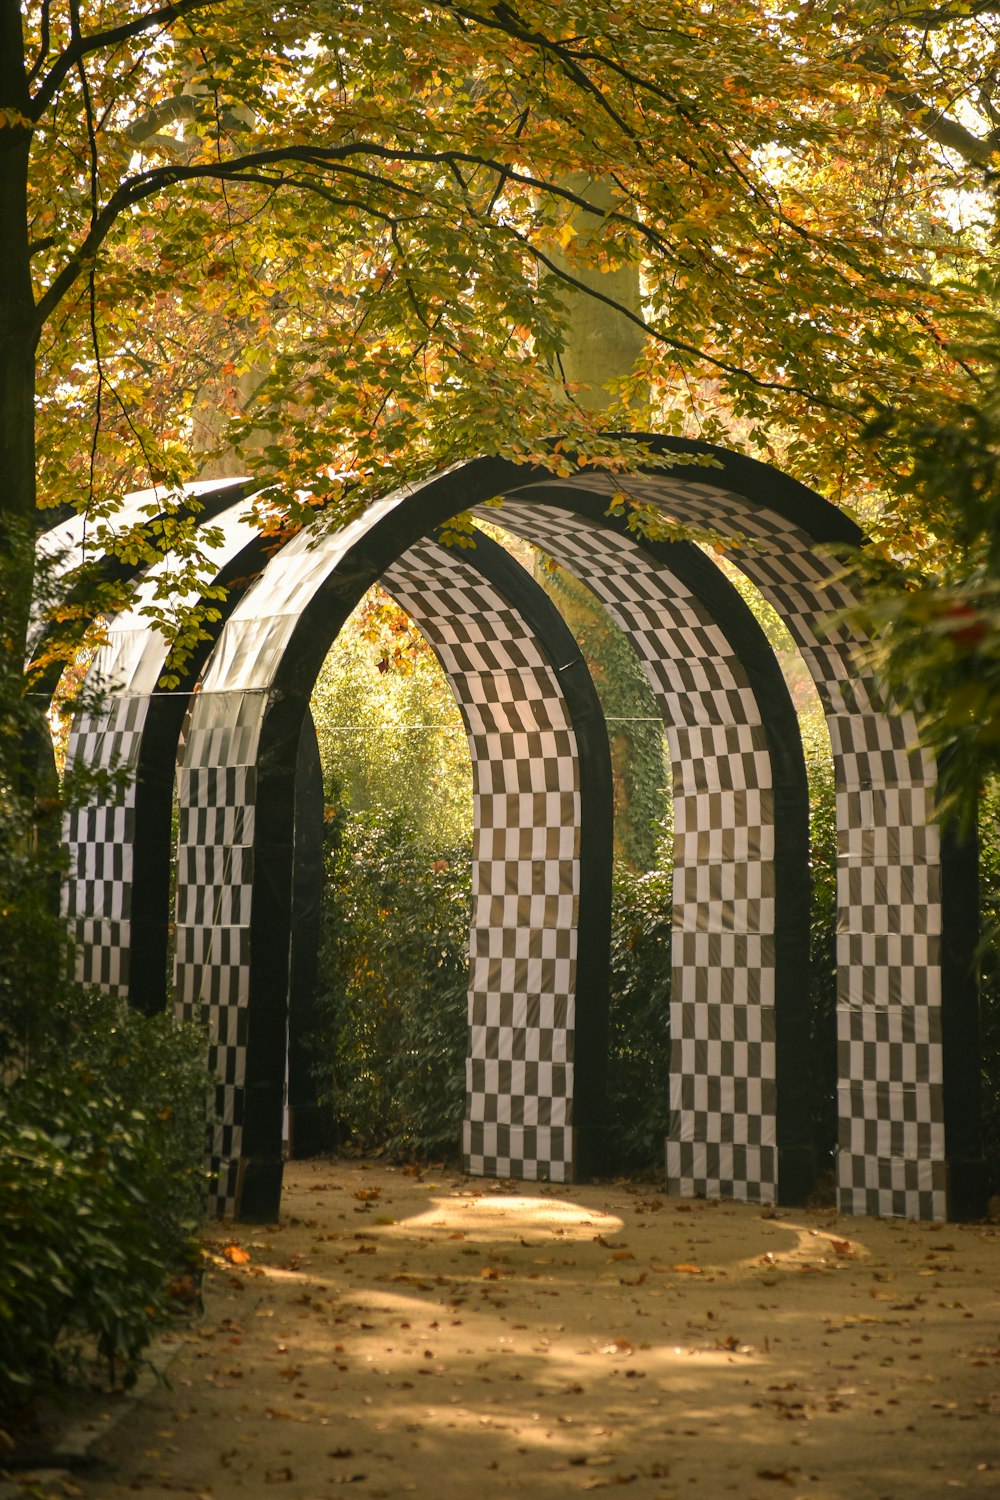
x: 740, y: 1089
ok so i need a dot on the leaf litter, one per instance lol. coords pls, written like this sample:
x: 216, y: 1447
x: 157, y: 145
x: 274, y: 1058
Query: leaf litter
x: 706, y: 1369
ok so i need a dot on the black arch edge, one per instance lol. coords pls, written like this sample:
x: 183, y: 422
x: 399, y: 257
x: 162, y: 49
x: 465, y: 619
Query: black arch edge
x: 307, y: 1132
x: 750, y: 647
x: 154, y: 790
x: 794, y: 1075
x: 427, y: 506
x: 593, y: 964
x: 758, y: 483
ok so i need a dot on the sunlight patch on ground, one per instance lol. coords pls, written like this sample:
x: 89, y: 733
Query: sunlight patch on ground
x: 510, y: 1217
x: 811, y: 1247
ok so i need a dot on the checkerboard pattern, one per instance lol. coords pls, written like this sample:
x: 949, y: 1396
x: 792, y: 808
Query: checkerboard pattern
x: 216, y: 789
x: 526, y: 877
x: 722, y: 1140
x: 97, y: 890
x: 891, y: 1157
x: 722, y: 1089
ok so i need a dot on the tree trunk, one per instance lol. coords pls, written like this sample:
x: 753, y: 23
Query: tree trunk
x: 18, y: 339
x: 601, y: 344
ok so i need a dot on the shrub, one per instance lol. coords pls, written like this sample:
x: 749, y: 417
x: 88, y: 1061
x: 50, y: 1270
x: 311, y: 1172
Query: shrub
x: 101, y: 1144
x: 102, y: 1130
x: 639, y: 1016
x: 390, y: 1046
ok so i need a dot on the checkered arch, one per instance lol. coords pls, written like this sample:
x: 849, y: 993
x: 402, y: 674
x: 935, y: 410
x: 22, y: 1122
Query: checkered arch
x: 892, y: 1156
x: 97, y: 894
x: 510, y: 665
x: 724, y: 1078
x: 526, y: 866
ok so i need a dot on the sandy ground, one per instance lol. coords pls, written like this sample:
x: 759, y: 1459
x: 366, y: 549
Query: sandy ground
x: 410, y: 1334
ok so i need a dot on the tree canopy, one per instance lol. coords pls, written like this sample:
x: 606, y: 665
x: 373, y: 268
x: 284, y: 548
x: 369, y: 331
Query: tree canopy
x: 341, y: 239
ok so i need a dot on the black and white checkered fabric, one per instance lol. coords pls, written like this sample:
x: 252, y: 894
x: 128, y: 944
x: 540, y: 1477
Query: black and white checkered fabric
x: 891, y: 1154
x: 99, y: 839
x: 216, y: 785
x: 526, y: 877
x: 723, y: 1086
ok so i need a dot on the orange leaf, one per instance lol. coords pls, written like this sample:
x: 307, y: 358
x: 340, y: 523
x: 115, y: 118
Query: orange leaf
x: 236, y: 1255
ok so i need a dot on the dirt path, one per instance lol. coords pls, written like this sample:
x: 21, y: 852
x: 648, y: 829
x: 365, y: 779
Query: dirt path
x: 440, y: 1337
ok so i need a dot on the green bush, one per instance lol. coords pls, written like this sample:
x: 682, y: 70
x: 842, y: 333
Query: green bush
x: 101, y: 1180
x: 639, y: 1016
x: 390, y: 1047
x: 102, y: 1130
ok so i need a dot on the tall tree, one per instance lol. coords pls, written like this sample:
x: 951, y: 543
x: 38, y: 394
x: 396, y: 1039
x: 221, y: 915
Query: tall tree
x: 369, y: 216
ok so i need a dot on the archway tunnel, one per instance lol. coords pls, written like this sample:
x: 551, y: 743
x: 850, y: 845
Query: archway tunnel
x: 237, y: 730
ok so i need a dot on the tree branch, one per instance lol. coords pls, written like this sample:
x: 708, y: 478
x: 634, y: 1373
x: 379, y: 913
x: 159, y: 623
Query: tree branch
x: 680, y: 346
x: 43, y: 43
x: 932, y: 122
x: 81, y: 45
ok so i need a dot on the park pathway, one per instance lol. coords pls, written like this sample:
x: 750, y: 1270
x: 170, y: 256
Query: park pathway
x: 408, y: 1332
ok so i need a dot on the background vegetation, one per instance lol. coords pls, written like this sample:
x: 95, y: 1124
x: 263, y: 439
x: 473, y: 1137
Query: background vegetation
x: 102, y: 1135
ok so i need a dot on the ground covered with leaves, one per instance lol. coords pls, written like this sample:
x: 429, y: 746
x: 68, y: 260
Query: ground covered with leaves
x: 409, y: 1331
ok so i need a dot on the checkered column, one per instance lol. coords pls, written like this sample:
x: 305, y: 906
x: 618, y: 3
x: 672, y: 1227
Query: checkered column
x: 722, y: 1088
x: 891, y: 1155
x: 96, y: 894
x: 216, y: 789
x: 519, y: 1102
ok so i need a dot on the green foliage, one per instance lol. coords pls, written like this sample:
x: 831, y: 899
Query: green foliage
x: 390, y: 733
x: 932, y: 590
x: 390, y: 1049
x: 346, y: 236
x: 822, y: 931
x: 639, y: 1014
x: 101, y: 1142
x: 102, y: 1126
